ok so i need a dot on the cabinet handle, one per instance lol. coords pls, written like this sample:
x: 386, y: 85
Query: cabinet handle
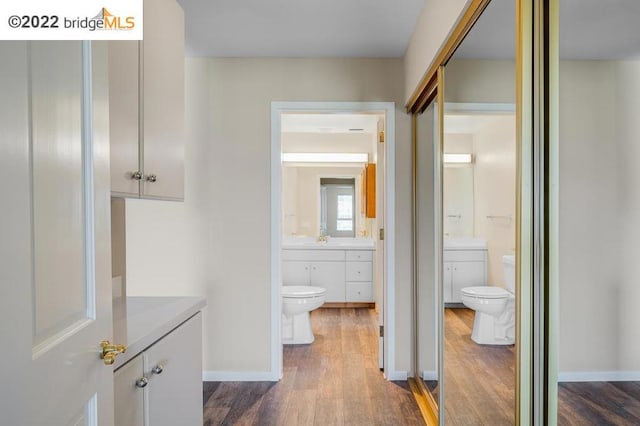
x: 152, y: 178
x: 136, y: 175
x: 158, y: 369
x: 142, y: 382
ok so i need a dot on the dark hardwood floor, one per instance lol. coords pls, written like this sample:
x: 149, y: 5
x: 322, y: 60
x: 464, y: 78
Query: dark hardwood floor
x: 334, y: 381
x: 599, y: 403
x: 479, y: 379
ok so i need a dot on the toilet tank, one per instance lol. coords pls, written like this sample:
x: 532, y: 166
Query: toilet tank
x: 509, y: 264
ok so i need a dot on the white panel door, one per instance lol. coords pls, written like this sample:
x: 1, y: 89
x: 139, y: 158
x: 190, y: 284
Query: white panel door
x: 330, y: 275
x: 380, y: 244
x: 55, y: 297
x: 296, y: 273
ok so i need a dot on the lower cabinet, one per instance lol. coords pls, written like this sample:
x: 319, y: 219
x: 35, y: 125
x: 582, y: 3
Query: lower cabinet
x: 163, y: 384
x: 464, y: 268
x: 347, y: 275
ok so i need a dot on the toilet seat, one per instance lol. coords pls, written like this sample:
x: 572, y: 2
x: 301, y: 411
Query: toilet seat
x: 302, y: 291
x: 486, y: 292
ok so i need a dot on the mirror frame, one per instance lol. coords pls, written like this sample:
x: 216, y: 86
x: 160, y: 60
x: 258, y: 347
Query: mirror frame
x: 532, y: 336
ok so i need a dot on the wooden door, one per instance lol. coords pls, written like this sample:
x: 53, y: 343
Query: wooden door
x: 55, y: 297
x: 129, y: 384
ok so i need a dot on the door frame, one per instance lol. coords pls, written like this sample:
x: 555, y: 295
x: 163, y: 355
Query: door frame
x: 277, y: 109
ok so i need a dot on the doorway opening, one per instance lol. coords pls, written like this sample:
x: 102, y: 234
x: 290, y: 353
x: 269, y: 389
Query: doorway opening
x: 332, y: 198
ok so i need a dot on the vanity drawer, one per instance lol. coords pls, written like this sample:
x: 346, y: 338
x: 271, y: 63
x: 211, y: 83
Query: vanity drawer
x: 359, y: 271
x: 311, y: 255
x: 360, y: 292
x: 360, y: 255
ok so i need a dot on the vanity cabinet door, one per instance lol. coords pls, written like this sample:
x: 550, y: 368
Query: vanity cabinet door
x: 330, y: 275
x: 447, y: 275
x: 173, y: 366
x: 296, y: 273
x: 466, y: 274
x: 129, y: 393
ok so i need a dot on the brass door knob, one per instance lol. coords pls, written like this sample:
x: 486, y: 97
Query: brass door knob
x: 109, y: 352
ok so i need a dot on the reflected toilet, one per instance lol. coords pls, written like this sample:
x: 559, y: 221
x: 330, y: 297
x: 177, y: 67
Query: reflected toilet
x: 494, y: 322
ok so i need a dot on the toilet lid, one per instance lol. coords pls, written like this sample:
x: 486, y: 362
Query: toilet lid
x: 302, y: 291
x: 486, y: 292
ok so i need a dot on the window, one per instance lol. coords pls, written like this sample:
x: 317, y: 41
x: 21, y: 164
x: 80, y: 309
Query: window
x: 337, y: 207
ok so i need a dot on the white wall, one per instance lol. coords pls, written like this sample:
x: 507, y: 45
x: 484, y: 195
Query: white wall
x: 224, y: 223
x: 494, y: 146
x: 628, y: 178
x: 434, y: 25
x: 599, y: 217
x: 588, y: 202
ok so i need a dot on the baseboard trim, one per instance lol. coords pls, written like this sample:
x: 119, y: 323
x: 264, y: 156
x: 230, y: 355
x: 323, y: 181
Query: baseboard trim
x: 239, y: 376
x: 429, y: 375
x: 599, y: 376
x: 397, y: 376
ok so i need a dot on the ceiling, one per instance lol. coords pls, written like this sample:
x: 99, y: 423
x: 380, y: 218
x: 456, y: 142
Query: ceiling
x: 299, y: 28
x: 588, y: 30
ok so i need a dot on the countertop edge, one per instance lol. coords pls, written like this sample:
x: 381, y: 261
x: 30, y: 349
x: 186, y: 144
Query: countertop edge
x: 161, y: 329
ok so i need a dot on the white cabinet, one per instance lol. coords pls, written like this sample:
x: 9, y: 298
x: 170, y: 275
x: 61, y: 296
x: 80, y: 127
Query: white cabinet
x: 462, y: 268
x: 346, y: 274
x: 146, y: 105
x: 325, y: 274
x: 163, y: 384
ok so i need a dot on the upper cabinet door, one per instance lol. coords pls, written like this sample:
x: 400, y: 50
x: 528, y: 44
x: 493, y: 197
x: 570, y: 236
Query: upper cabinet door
x: 124, y: 117
x: 163, y: 93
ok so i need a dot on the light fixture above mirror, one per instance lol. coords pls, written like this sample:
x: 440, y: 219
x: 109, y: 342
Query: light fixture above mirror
x: 325, y: 157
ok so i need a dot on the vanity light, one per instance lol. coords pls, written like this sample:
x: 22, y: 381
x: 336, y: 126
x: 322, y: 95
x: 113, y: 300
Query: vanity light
x: 458, y: 158
x: 325, y: 157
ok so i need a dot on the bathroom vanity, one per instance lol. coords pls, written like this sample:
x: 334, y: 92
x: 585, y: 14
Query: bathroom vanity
x: 343, y: 266
x: 464, y: 265
x: 158, y: 380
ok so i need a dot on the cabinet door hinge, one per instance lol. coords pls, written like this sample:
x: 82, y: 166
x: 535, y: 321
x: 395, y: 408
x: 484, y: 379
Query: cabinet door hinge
x: 381, y: 234
x: 382, y: 331
x: 381, y: 136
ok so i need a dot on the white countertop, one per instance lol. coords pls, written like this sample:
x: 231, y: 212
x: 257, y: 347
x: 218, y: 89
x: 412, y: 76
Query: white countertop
x: 308, y: 243
x: 138, y: 322
x: 464, y: 243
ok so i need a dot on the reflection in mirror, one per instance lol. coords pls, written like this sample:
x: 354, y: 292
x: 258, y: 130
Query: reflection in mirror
x: 478, y: 223
x: 426, y: 290
x: 595, y: 251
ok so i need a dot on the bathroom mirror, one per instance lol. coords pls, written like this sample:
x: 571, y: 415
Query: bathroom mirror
x: 478, y: 223
x: 426, y: 290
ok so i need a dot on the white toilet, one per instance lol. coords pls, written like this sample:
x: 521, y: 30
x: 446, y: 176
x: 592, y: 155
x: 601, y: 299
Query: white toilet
x: 297, y: 302
x: 495, y: 319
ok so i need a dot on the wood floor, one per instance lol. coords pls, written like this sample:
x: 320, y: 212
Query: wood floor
x: 334, y: 381
x: 479, y: 379
x: 599, y: 403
